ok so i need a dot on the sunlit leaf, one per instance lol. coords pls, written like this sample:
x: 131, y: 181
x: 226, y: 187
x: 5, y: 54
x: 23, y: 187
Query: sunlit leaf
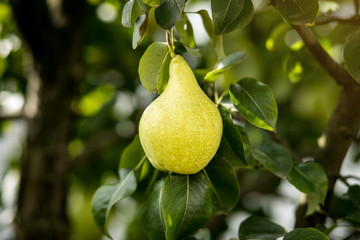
x: 224, y: 183
x: 154, y: 67
x: 185, y: 31
x: 152, y: 217
x: 255, y: 227
x: 305, y: 233
x: 352, y: 55
x: 186, y: 204
x: 224, y: 65
x: 139, y: 30
x: 256, y: 103
x: 275, y: 158
x: 169, y: 13
x: 126, y: 13
x: 298, y: 11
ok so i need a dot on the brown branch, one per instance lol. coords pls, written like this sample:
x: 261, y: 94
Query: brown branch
x: 325, y: 19
x: 335, y: 70
x: 356, y: 6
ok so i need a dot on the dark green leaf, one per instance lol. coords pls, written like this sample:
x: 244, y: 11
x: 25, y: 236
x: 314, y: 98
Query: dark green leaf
x: 208, y: 24
x: 306, y: 233
x: 243, y: 18
x: 144, y: 6
x: 255, y: 227
x: 224, y: 65
x: 298, y: 11
x: 152, y: 218
x: 186, y: 204
x: 227, y: 103
x: 224, y: 184
x: 126, y: 13
x: 154, y: 67
x: 185, y: 31
x: 169, y: 13
x: 139, y: 30
x: 312, y: 203
x: 225, y: 13
x: 353, y: 216
x: 255, y: 101
x: 352, y: 55
x: 354, y: 194
x: 275, y: 158
x: 309, y: 178
x: 107, y: 196
x: 99, y: 206
x: 232, y: 135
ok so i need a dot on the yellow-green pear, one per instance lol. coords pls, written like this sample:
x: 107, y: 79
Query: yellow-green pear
x: 181, y: 130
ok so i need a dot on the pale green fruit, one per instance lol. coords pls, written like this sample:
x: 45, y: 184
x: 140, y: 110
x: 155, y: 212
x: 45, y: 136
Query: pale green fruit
x: 181, y: 130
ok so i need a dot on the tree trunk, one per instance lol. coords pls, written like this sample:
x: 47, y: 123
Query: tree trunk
x: 55, y: 47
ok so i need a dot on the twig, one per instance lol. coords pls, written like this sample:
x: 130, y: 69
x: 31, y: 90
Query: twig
x: 356, y: 4
x: 341, y: 76
x: 325, y: 19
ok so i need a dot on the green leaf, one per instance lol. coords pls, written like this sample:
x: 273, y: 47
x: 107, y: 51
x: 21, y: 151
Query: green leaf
x: 208, y: 24
x: 276, y: 39
x: 169, y: 13
x: 275, y: 158
x: 298, y: 12
x: 185, y: 31
x: 152, y: 217
x: 244, y: 18
x: 255, y: 101
x: 107, y: 196
x: 154, y: 67
x: 309, y: 178
x: 255, y: 227
x: 224, y: 65
x: 352, y: 55
x: 132, y: 154
x: 306, y: 233
x: 354, y: 194
x: 312, y: 203
x: 144, y: 6
x: 225, y: 13
x: 139, y: 30
x: 126, y: 13
x: 232, y: 135
x: 353, y: 216
x: 99, y: 206
x: 186, y: 204
x: 224, y: 184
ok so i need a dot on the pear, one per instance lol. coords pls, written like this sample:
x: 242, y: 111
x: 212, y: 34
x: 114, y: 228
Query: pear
x: 181, y: 130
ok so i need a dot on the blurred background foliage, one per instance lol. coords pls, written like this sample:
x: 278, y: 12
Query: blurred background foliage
x: 112, y: 99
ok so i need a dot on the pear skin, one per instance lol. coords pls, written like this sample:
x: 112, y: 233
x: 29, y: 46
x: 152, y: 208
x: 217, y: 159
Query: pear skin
x: 181, y: 130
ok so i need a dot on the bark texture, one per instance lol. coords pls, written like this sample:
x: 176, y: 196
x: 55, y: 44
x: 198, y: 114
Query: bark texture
x: 56, y: 49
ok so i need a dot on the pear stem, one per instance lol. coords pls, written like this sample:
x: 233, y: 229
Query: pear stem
x: 169, y: 44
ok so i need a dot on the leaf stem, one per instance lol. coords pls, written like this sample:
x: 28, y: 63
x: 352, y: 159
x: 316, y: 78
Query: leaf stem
x: 219, y: 48
x: 216, y: 95
x: 140, y: 163
x: 170, y: 44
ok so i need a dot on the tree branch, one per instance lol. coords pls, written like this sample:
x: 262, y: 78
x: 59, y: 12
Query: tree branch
x: 325, y: 19
x: 335, y: 70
